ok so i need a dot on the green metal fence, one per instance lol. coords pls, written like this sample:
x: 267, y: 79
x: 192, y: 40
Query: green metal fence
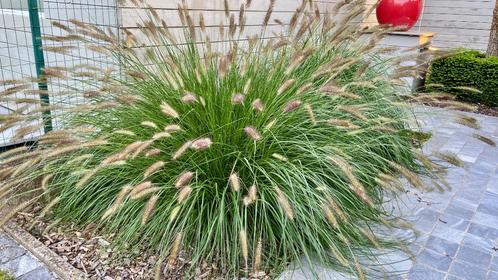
x: 23, y: 25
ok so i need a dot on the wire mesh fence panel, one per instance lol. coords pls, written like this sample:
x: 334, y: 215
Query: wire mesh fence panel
x: 29, y: 42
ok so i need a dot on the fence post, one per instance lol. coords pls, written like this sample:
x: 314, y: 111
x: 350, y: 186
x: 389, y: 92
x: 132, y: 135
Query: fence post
x: 36, y: 37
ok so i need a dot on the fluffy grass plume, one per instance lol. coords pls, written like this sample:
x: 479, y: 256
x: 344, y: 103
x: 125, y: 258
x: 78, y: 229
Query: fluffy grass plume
x: 247, y: 154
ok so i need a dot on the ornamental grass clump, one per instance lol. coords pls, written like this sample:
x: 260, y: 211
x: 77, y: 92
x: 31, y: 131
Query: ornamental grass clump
x: 247, y: 154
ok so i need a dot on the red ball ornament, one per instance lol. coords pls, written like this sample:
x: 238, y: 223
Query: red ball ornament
x: 399, y: 13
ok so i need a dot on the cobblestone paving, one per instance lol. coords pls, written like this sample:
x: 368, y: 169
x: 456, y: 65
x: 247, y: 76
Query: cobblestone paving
x: 458, y: 228
x: 21, y: 263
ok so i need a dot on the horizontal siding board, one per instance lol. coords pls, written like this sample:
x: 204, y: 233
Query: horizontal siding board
x: 455, y: 22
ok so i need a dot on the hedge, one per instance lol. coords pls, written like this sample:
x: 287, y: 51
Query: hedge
x: 467, y: 69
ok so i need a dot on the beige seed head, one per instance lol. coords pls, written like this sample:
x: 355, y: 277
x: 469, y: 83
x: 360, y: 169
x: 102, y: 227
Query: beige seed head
x: 343, y: 124
x: 149, y: 124
x: 174, y: 213
x: 175, y: 248
x: 247, y: 85
x: 125, y: 132
x: 251, y: 196
x: 87, y: 177
x: 368, y: 233
x: 243, y: 245
x: 360, y: 273
x: 355, y: 185
x: 117, y: 202
x: 168, y: 110
x: 15, y: 210
x: 339, y: 256
x: 184, y: 193
x: 142, y: 148
x: 201, y: 144
x: 330, y: 216
x: 149, y: 208
x: 49, y: 206
x: 140, y: 187
x: 270, y: 125
x: 153, y: 168
x: 468, y: 121
x: 189, y: 98
x: 292, y: 105
x: 45, y: 182
x: 311, y: 114
x: 172, y: 128
x: 337, y: 209
x: 160, y: 135
x: 252, y: 133
x: 409, y: 175
x: 234, y: 182
x: 257, y: 256
x: 238, y: 99
x: 258, y: 105
x: 127, y: 150
x: 279, y: 157
x: 354, y: 111
x: 450, y: 157
x: 178, y: 153
x: 285, y: 86
x: 152, y: 152
x: 184, y: 179
x: 284, y: 203
x: 146, y: 192
x: 484, y: 139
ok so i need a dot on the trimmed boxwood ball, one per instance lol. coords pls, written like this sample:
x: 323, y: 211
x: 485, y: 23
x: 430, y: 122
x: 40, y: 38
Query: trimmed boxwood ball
x: 241, y: 154
x: 464, y: 69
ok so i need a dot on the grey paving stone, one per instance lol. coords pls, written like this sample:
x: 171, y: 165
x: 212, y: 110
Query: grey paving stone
x: 395, y: 263
x: 483, y: 231
x: 467, y: 271
x: 10, y: 252
x: 460, y: 209
x: 489, y: 204
x: 435, y: 260
x: 469, y: 196
x: 26, y: 264
x: 474, y: 256
x: 453, y: 277
x: 480, y: 243
x: 478, y: 178
x: 485, y: 219
x: 483, y: 165
x: 454, y: 222
x: 422, y: 272
x: 4, y: 241
x: 10, y: 266
x: 426, y: 219
x: 494, y: 263
x: 492, y: 186
x: 447, y: 233
x: 492, y: 275
x: 442, y: 246
x: 40, y: 273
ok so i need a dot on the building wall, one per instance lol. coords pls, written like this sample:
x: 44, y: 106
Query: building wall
x: 457, y: 23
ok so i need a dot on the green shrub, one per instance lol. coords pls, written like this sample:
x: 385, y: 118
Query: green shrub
x: 274, y: 152
x: 467, y: 69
